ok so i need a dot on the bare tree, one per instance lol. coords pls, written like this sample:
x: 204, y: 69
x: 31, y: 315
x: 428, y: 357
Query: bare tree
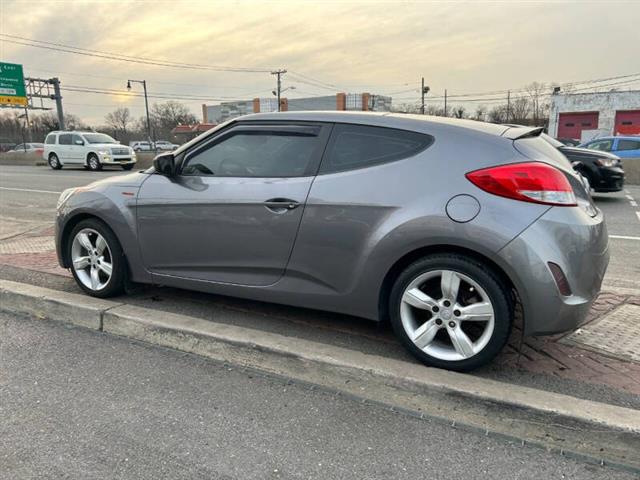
x: 166, y: 116
x: 538, y: 93
x: 119, y: 120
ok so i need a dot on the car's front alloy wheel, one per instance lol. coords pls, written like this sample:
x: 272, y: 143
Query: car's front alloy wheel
x: 96, y: 259
x: 451, y: 312
x: 94, y: 162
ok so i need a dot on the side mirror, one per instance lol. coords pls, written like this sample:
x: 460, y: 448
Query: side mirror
x: 79, y: 142
x: 165, y: 164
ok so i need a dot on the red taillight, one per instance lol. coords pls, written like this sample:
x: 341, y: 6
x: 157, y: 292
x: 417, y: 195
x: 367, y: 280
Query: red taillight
x: 534, y: 182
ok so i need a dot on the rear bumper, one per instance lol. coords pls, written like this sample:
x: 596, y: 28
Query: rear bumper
x: 577, y: 243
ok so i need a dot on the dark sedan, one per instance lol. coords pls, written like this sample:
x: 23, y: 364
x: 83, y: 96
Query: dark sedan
x: 603, y: 170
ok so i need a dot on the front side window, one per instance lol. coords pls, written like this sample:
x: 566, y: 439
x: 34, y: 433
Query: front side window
x: 77, y: 140
x: 604, y: 145
x: 358, y: 146
x: 256, y: 154
x: 628, y: 144
x: 65, y: 139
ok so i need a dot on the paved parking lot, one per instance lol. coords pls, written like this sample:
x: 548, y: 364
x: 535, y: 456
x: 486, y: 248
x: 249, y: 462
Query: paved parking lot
x: 28, y: 196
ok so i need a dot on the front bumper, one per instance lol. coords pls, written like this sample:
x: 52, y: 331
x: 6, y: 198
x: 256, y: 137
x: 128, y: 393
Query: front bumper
x: 611, y: 180
x: 576, y: 242
x: 117, y: 159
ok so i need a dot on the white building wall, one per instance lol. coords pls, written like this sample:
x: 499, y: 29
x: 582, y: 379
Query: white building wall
x: 606, y: 104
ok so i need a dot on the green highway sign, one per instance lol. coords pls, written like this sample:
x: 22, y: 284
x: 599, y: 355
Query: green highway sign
x: 12, y: 91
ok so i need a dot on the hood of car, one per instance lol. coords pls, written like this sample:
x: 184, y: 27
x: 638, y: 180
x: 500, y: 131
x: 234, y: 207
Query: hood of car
x: 586, y: 152
x: 130, y: 180
x: 108, y: 145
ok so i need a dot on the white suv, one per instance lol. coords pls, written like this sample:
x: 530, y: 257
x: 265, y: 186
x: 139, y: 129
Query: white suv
x: 90, y: 149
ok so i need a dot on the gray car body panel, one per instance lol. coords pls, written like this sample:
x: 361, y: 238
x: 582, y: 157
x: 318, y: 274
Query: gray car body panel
x: 335, y: 250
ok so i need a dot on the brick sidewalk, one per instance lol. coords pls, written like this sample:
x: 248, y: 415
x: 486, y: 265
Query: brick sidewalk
x: 545, y: 355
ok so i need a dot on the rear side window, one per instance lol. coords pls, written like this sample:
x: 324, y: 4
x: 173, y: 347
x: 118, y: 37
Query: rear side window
x: 51, y: 139
x: 65, y: 139
x: 628, y: 145
x: 358, y: 146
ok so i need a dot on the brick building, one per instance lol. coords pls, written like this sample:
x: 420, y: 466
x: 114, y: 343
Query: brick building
x: 583, y: 116
x: 340, y: 101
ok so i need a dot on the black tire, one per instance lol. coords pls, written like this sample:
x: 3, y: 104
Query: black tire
x: 127, y: 167
x: 116, y: 283
x: 499, y: 295
x: 54, y: 162
x: 93, y: 162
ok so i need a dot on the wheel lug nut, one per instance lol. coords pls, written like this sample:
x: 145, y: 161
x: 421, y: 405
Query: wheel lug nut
x: 435, y: 309
x: 456, y: 313
x: 447, y: 303
x: 438, y: 321
x: 452, y: 324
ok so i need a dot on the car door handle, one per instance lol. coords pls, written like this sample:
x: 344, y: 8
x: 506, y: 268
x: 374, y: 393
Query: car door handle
x: 281, y: 205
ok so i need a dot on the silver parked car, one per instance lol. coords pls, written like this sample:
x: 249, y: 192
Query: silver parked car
x: 442, y: 226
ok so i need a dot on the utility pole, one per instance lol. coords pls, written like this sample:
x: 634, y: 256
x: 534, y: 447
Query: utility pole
x: 445, y: 102
x: 423, y: 91
x: 508, y: 105
x: 58, y: 98
x: 146, y: 106
x: 279, y: 74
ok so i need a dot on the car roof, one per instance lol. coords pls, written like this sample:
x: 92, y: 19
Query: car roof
x: 385, y: 119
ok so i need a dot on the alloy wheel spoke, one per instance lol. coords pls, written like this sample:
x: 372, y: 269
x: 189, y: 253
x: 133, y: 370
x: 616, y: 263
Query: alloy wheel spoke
x: 461, y: 342
x: 425, y: 334
x: 83, y: 238
x: 476, y: 312
x: 81, y: 263
x: 450, y: 283
x: 418, y: 299
x: 101, y: 243
x: 106, y: 267
x: 95, y: 278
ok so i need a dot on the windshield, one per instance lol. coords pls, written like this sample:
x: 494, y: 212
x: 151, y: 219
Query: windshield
x: 98, y: 138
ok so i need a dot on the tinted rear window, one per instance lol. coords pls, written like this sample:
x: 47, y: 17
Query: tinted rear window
x: 65, y: 139
x: 50, y: 139
x: 357, y: 146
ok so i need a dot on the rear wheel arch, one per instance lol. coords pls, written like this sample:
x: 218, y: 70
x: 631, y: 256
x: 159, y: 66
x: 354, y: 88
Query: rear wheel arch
x: 403, y: 262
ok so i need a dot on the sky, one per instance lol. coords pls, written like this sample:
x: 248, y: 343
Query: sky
x: 381, y: 47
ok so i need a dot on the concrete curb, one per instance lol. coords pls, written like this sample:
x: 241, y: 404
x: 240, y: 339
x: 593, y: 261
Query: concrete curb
x: 555, y: 421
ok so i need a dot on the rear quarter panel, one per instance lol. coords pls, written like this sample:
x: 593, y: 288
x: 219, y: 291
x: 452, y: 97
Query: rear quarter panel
x: 357, y: 224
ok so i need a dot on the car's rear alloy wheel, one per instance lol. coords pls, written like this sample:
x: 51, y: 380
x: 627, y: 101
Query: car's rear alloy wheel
x: 96, y: 259
x: 94, y: 163
x: 451, y: 312
x: 54, y: 162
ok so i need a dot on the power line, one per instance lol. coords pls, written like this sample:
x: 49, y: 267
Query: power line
x: 123, y: 58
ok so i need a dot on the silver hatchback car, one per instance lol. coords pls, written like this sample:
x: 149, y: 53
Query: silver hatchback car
x: 441, y: 226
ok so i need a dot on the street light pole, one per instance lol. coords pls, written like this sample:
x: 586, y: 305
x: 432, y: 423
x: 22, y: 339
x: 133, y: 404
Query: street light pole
x: 146, y: 104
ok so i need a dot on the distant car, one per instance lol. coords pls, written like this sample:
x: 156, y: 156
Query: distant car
x: 141, y: 146
x: 603, y: 170
x: 436, y: 224
x: 36, y: 148
x: 90, y: 149
x: 165, y: 146
x: 622, y: 146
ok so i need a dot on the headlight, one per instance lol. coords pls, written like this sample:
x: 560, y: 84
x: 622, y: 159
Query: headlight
x: 607, y: 162
x: 64, y: 196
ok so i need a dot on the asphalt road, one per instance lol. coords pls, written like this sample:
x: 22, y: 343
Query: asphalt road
x: 77, y: 404
x: 29, y: 194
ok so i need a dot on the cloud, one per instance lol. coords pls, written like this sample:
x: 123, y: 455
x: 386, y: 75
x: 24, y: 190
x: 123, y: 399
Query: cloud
x: 371, y: 45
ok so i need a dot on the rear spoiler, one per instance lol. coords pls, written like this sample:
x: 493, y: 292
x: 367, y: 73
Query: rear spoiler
x: 516, y: 133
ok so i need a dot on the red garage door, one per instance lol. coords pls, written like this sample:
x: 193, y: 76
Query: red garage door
x: 627, y: 122
x: 571, y: 125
